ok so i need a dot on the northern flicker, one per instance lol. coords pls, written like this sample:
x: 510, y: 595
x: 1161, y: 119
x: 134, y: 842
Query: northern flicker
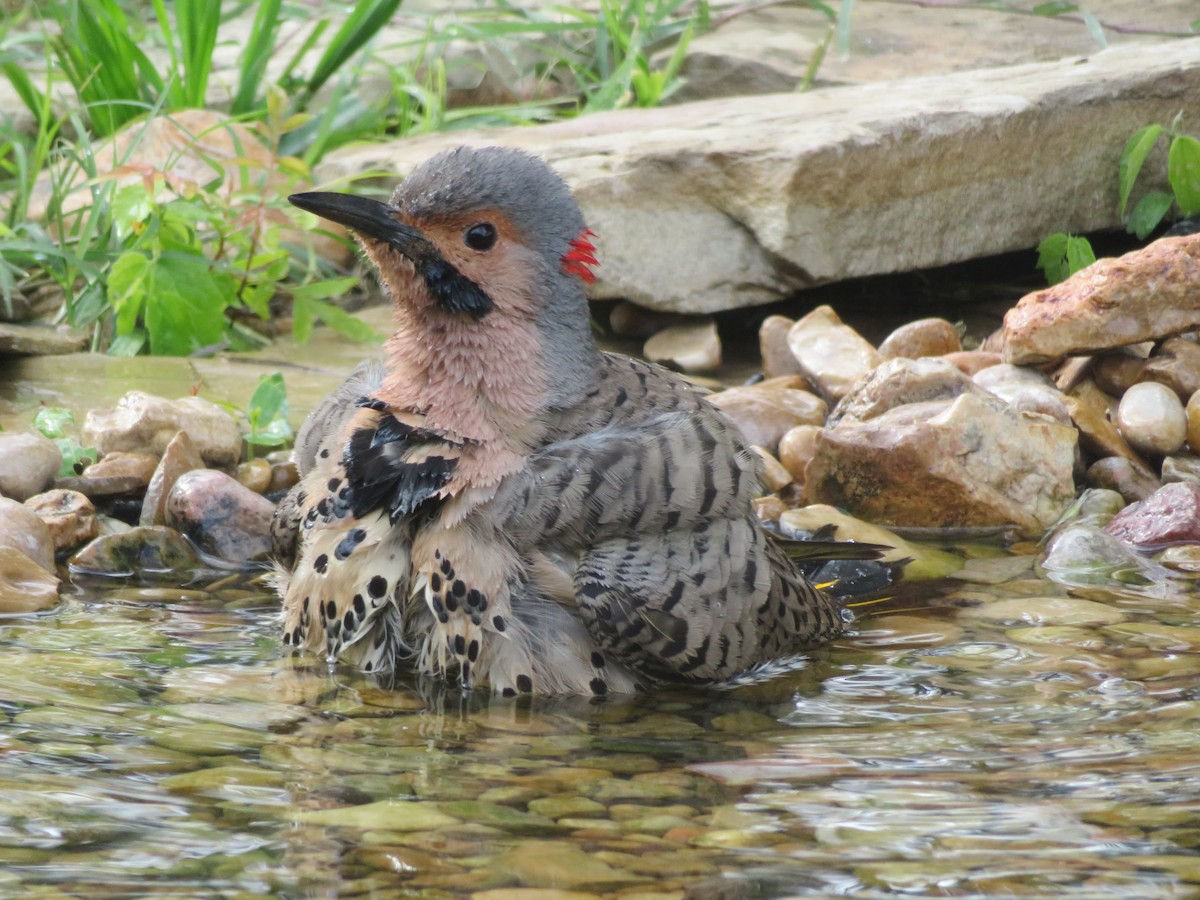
x: 503, y: 501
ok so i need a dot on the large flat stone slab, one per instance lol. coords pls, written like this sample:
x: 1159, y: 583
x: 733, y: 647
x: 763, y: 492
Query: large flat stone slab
x: 733, y: 202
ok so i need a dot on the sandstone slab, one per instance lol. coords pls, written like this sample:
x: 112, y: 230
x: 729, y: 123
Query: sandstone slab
x: 965, y: 462
x: 745, y: 200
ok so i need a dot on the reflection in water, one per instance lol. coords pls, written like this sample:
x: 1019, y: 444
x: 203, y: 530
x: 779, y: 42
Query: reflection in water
x: 155, y: 741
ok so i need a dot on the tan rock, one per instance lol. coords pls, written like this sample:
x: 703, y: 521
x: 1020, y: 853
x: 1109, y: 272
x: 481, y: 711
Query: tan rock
x: 25, y: 586
x: 69, y: 515
x: 970, y: 362
x: 117, y: 473
x: 796, y: 448
x: 777, y: 358
x: 1144, y: 295
x: 1176, y: 364
x: 1151, y: 418
x: 1117, y: 371
x: 1092, y: 411
x: 694, y: 347
x: 178, y: 457
x: 900, y: 381
x: 1193, y: 422
x: 923, y: 337
x: 255, y: 474
x: 144, y: 423
x: 949, y: 463
x: 774, y: 476
x: 831, y: 354
x: 764, y: 412
x: 23, y: 531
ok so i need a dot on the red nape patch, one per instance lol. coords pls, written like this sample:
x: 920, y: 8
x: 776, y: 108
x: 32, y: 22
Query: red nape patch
x: 581, y: 256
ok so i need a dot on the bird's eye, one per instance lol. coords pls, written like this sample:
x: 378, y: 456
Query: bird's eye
x: 481, y: 236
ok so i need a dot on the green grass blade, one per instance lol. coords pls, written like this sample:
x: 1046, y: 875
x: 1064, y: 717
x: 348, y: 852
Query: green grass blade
x: 255, y: 56
x: 363, y: 24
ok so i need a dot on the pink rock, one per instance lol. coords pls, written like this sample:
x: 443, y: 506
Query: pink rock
x: 1171, y: 515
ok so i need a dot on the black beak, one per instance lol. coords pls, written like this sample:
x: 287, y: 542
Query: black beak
x: 452, y: 290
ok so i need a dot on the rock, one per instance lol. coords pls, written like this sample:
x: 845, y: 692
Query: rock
x: 255, y: 475
x: 1151, y: 418
x: 923, y: 337
x: 1175, y: 364
x: 1044, y: 611
x: 1181, y: 468
x: 926, y: 561
x: 138, y: 551
x: 947, y: 463
x: 776, y: 355
x: 796, y: 448
x: 797, y: 189
x: 558, y: 864
x: 1118, y: 371
x: 694, y: 347
x: 1046, y: 402
x: 180, y: 456
x: 1171, y: 515
x: 1092, y: 412
x: 1005, y: 379
x: 117, y: 473
x: 633, y: 321
x: 39, y: 340
x: 23, y: 531
x: 283, y: 476
x: 28, y: 464
x: 69, y: 516
x: 972, y: 362
x: 1086, y: 554
x: 25, y: 586
x: 898, y: 382
x: 1116, y: 473
x: 774, y: 476
x: 221, y: 517
x: 1144, y: 295
x: 1192, y: 411
x: 764, y: 412
x: 143, y: 423
x: 831, y: 355
x: 382, y: 815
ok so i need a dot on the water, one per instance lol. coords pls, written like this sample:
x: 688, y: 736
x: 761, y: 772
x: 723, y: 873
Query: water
x: 156, y: 741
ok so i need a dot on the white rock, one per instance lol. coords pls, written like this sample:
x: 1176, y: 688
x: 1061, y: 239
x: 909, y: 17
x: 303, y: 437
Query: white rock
x: 1151, y: 418
x: 694, y: 347
x: 144, y: 423
x: 831, y: 354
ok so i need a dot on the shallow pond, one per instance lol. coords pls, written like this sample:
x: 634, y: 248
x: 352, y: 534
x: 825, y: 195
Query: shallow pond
x: 154, y: 741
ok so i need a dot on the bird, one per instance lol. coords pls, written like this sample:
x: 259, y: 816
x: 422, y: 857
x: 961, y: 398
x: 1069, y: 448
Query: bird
x: 500, y: 502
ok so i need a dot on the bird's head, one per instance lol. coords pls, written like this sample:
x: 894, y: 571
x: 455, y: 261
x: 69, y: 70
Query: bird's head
x: 474, y: 232
x: 485, y: 254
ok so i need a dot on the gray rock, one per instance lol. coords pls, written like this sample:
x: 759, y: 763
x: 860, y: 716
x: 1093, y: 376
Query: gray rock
x: 28, y: 464
x: 39, y: 340
x: 136, y: 551
x: 143, y: 423
x: 898, y: 382
x: 965, y: 462
x: 23, y: 531
x: 793, y: 190
x: 222, y: 516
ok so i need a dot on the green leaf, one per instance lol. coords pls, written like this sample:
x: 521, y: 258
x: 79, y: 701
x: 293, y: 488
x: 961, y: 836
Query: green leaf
x: 52, y: 421
x: 1183, y: 171
x: 1136, y: 150
x: 130, y: 344
x: 185, y: 309
x: 130, y: 205
x: 1079, y: 254
x: 1061, y: 255
x: 75, y: 458
x: 127, y: 284
x: 269, y: 400
x: 1148, y: 212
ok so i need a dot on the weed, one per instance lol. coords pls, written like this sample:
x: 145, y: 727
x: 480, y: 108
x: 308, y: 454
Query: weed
x: 1062, y: 255
x: 1183, y: 174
